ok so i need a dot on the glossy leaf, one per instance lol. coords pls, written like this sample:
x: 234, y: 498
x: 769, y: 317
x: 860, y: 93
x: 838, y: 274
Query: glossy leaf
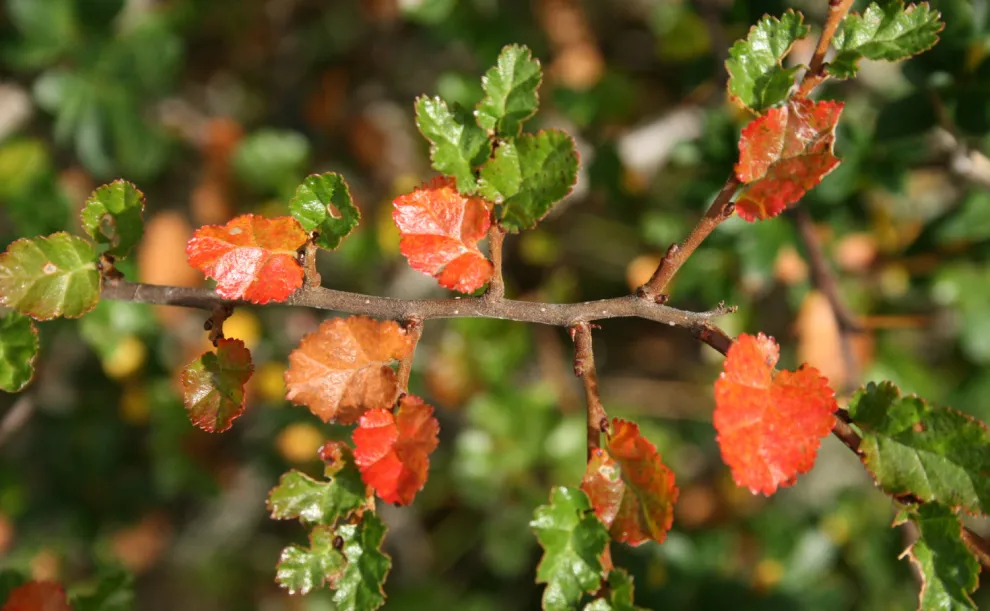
x: 528, y: 175
x: 393, y: 452
x: 213, y: 385
x: 619, y: 595
x: 440, y: 230
x: 510, y: 92
x: 323, y: 204
x: 756, y: 77
x: 457, y: 144
x: 251, y: 257
x: 913, y: 448
x: 114, y: 216
x: 37, y: 596
x: 949, y: 571
x: 359, y: 587
x: 49, y: 277
x: 301, y: 497
x: 18, y: 349
x: 301, y: 570
x: 573, y: 541
x: 769, y: 425
x: 630, y: 488
x: 887, y: 31
x: 783, y: 154
x: 344, y: 368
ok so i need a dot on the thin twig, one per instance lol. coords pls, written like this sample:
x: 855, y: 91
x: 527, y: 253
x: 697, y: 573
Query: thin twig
x: 584, y: 368
x: 311, y: 276
x: 496, y: 237
x: 414, y: 328
x: 816, y: 74
x: 214, y: 324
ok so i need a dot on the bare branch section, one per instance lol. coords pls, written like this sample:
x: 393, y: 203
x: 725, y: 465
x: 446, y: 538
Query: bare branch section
x: 556, y: 314
x: 584, y: 368
x: 816, y: 74
x: 414, y: 327
x: 496, y: 237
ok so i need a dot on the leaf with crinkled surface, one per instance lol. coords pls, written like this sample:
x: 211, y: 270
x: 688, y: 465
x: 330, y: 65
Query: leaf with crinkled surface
x: 342, y: 369
x: 757, y: 79
x: 769, y: 426
x: 573, y: 541
x: 213, y: 385
x: 457, y: 144
x: 300, y: 570
x: 932, y: 453
x: 888, y: 31
x: 251, y: 257
x: 528, y: 175
x: 783, y: 154
x: 301, y: 497
x: 359, y: 587
x: 49, y: 277
x: 619, y: 596
x: 440, y: 229
x: 18, y: 349
x: 949, y: 571
x: 393, y: 452
x: 323, y: 204
x: 114, y: 216
x: 631, y: 490
x: 37, y: 596
x: 511, y: 96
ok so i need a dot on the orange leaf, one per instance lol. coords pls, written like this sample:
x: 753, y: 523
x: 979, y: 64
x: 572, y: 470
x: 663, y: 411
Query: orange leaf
x: 440, y: 229
x: 343, y: 368
x: 769, y: 426
x: 251, y: 257
x: 784, y: 153
x: 37, y: 596
x: 393, y: 452
x: 213, y: 385
x: 631, y: 490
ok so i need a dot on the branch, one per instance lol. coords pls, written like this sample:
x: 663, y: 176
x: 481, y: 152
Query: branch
x: 584, y: 368
x: 816, y: 74
x: 414, y: 326
x: 496, y: 288
x: 556, y: 314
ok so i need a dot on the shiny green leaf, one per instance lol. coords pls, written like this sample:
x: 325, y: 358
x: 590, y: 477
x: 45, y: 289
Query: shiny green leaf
x: 887, y: 31
x: 300, y: 569
x: 313, y: 502
x: 114, y: 216
x: 359, y: 587
x: 323, y: 204
x: 510, y: 92
x: 49, y: 277
x: 457, y: 144
x: 18, y: 349
x: 949, y: 571
x: 757, y: 78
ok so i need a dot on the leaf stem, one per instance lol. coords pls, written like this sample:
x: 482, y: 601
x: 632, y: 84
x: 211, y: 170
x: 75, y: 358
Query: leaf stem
x: 584, y: 368
x: 496, y: 237
x: 311, y: 276
x: 816, y: 74
x: 414, y: 327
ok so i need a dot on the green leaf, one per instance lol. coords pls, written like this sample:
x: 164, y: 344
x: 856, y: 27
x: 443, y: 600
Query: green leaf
x: 457, y: 144
x: 890, y: 32
x: 323, y: 204
x: 359, y: 588
x: 313, y: 502
x: 49, y: 277
x: 932, y: 453
x: 300, y: 569
x: 510, y: 92
x: 18, y: 349
x: 756, y: 77
x: 620, y: 594
x: 271, y: 160
x: 113, y: 592
x: 529, y: 175
x: 949, y: 571
x: 213, y: 385
x: 114, y: 216
x: 573, y: 541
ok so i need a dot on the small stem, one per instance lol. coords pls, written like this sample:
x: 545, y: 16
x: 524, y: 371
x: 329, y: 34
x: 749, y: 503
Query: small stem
x: 105, y: 265
x: 312, y: 277
x: 214, y: 324
x: 584, y: 368
x: 414, y: 327
x: 496, y: 237
x: 816, y: 74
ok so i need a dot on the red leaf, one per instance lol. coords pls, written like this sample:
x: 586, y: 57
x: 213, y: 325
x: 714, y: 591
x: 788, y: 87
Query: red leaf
x: 631, y: 490
x: 393, y: 453
x: 213, y: 385
x: 37, y: 596
x: 783, y: 154
x: 440, y: 229
x: 769, y: 426
x: 251, y: 257
x: 343, y: 368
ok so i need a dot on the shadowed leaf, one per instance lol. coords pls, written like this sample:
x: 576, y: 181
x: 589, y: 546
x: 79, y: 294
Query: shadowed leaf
x: 949, y: 571
x: 114, y: 216
x: 18, y: 349
x: 323, y: 204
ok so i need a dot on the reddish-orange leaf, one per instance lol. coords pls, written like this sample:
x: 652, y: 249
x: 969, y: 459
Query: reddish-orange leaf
x: 769, y: 426
x: 440, y: 229
x: 393, y: 452
x: 344, y: 368
x: 213, y: 385
x: 37, y: 596
x: 251, y: 257
x: 784, y: 153
x: 631, y: 490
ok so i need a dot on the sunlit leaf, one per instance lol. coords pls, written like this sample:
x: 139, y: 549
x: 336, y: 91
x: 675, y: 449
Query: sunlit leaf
x: 301, y: 497
x: 887, y: 31
x: 37, y: 596
x: 343, y: 368
x: 114, y: 216
x: 457, y: 144
x: 18, y: 349
x: 323, y: 204
x: 251, y: 257
x: 359, y: 587
x: 510, y: 92
x: 783, y: 154
x: 393, y: 452
x: 769, y: 425
x: 756, y: 77
x: 213, y: 385
x: 49, y: 277
x: 949, y: 571
x: 301, y: 570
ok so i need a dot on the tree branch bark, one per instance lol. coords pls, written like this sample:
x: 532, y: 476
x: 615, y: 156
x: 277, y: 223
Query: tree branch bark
x: 584, y: 368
